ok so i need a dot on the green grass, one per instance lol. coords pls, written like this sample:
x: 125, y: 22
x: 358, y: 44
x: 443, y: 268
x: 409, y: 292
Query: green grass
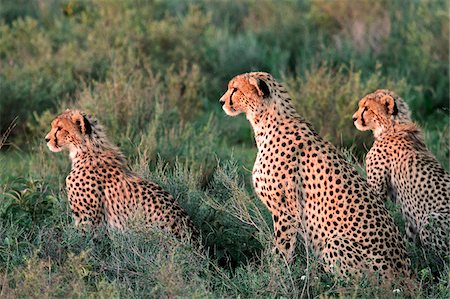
x: 47, y: 256
x: 152, y: 72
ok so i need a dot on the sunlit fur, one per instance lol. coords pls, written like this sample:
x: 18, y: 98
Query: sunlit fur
x: 65, y: 133
x: 311, y: 189
x: 101, y: 188
x: 376, y: 112
x: 400, y: 163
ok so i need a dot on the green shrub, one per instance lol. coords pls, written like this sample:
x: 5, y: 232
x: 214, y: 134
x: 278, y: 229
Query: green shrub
x: 437, y: 139
x: 26, y: 203
x: 233, y: 223
x: 328, y: 97
x: 152, y: 72
x: 46, y: 279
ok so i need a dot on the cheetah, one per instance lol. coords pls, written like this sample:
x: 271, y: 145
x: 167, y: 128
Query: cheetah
x: 400, y: 164
x: 101, y: 188
x: 311, y: 189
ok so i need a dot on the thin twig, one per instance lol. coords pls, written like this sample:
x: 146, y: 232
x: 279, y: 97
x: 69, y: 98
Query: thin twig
x: 8, y: 131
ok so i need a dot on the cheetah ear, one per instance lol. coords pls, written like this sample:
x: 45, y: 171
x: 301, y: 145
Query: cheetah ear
x: 261, y: 86
x: 390, y: 105
x: 82, y: 123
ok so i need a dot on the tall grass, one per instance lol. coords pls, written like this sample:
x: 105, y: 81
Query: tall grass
x: 152, y: 73
x: 53, y: 258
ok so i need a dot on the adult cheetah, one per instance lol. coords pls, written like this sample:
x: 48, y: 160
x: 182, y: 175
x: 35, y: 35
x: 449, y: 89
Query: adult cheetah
x: 310, y: 188
x: 399, y: 163
x: 100, y: 186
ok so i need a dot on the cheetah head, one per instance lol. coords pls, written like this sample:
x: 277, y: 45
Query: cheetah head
x: 68, y: 131
x: 380, y: 110
x: 247, y: 93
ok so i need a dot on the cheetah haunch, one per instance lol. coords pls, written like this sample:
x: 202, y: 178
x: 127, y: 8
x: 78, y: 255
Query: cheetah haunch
x: 309, y: 187
x: 100, y: 186
x: 400, y: 163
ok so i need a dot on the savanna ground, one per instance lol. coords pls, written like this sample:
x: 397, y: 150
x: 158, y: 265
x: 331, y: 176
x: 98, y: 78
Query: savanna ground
x: 152, y: 72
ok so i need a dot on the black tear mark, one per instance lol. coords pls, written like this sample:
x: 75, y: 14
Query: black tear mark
x: 363, y: 121
x: 231, y: 96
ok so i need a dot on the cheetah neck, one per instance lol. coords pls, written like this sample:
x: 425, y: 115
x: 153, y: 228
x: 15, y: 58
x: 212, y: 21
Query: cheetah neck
x: 99, y: 160
x: 278, y: 114
x: 398, y: 129
x: 95, y: 148
x: 408, y: 134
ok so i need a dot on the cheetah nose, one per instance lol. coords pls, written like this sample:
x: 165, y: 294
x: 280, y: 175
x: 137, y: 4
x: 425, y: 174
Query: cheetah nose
x: 354, y: 118
x: 222, y: 101
x: 47, y: 139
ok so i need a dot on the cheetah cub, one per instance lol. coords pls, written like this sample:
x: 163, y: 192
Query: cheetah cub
x: 310, y: 188
x: 399, y: 163
x: 100, y: 186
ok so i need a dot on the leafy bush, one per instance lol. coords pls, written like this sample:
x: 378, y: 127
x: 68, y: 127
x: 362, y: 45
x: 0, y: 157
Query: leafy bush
x: 26, y: 203
x: 45, y: 279
x: 64, y: 49
x: 152, y: 72
x: 328, y: 97
x: 58, y: 260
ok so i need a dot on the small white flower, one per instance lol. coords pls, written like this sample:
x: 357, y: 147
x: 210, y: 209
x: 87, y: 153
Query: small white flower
x: 396, y: 291
x: 303, y: 277
x: 315, y: 277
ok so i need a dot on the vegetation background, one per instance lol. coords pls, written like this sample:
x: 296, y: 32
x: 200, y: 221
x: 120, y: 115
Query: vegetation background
x: 152, y: 72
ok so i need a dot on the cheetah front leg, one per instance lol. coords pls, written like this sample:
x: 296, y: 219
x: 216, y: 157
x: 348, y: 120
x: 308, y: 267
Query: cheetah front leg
x: 86, y: 208
x: 434, y: 233
x: 85, y: 215
x: 285, y: 229
x: 348, y: 258
x: 377, y: 176
x: 411, y: 231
